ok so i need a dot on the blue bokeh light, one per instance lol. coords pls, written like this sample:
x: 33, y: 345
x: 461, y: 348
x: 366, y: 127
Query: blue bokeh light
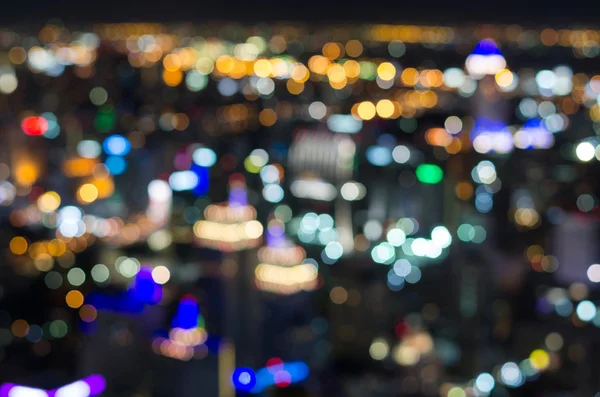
x: 116, y: 165
x: 116, y: 145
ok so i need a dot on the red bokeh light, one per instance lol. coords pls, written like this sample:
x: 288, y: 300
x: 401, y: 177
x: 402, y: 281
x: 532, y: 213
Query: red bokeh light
x: 402, y: 329
x: 282, y: 378
x: 274, y: 364
x: 237, y: 180
x: 34, y: 125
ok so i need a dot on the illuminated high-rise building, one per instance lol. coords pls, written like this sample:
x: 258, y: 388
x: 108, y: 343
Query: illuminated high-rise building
x: 232, y: 228
x: 321, y: 162
x: 281, y: 268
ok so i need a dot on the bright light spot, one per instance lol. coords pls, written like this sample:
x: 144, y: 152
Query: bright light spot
x: 100, y: 273
x: 8, y: 83
x: 116, y: 145
x: 486, y: 172
x: 485, y: 382
x: 419, y: 246
x: 128, y: 267
x: 87, y: 193
x: 379, y: 155
x: 406, y: 355
x: 77, y: 389
x: 454, y: 77
x: 383, y: 253
x: 89, y: 149
x: 334, y: 250
x: 159, y: 191
x: 22, y: 391
x: 379, y: 349
x: 313, y: 189
x: 269, y: 174
x: 401, y: 154
x: 539, y: 359
x: 429, y: 173
x: 48, y: 202
x: 441, y: 236
x: 511, y: 375
x: 593, y: 273
x: 456, y: 392
x: 273, y: 193
x: 325, y: 222
x: 396, y: 237
x: 317, y: 110
x: 545, y: 79
x: 402, y: 267
x: 352, y: 191
x: 159, y: 240
x: 585, y: 151
x: 453, y: 125
x: 183, y: 180
x: 76, y: 276
x: 161, y: 274
x: 204, y: 157
x: 373, y: 229
x: 586, y: 310
x: 366, y: 110
x: 259, y: 157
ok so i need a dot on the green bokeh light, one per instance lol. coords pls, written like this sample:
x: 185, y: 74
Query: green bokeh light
x: 429, y: 173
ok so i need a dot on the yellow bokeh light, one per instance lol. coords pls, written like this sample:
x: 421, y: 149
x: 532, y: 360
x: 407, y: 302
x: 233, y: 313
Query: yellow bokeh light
x: 17, y: 55
x: 26, y: 172
x: 224, y: 64
x: 386, y: 71
x: 464, y: 190
x: 105, y: 186
x: 410, y: 77
x: 56, y: 247
x: 540, y: 359
x: 205, y: 65
x: 294, y: 87
x: 18, y: 245
x: 352, y: 69
x: 332, y: 50
x: 428, y: 99
x: 172, y: 63
x: 48, y: 202
x: 354, y: 48
x: 87, y: 193
x: 20, y: 328
x: 74, y: 299
x: 385, y: 108
x: 504, y: 78
x: 263, y: 68
x: 267, y: 117
x: 318, y: 64
x: 366, y: 110
x: 336, y: 73
x: 79, y: 166
x: 300, y: 73
x: 172, y: 79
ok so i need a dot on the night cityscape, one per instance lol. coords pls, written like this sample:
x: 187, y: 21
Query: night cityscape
x: 269, y: 209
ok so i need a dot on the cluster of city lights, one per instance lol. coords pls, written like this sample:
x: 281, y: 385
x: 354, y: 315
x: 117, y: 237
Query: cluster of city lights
x: 282, y: 267
x: 255, y: 77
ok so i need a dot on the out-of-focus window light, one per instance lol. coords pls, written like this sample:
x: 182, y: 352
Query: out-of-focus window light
x: 344, y: 123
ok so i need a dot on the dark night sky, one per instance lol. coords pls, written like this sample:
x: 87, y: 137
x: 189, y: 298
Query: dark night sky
x: 527, y: 12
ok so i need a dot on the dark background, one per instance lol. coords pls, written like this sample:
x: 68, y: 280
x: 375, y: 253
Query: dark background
x: 450, y: 12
